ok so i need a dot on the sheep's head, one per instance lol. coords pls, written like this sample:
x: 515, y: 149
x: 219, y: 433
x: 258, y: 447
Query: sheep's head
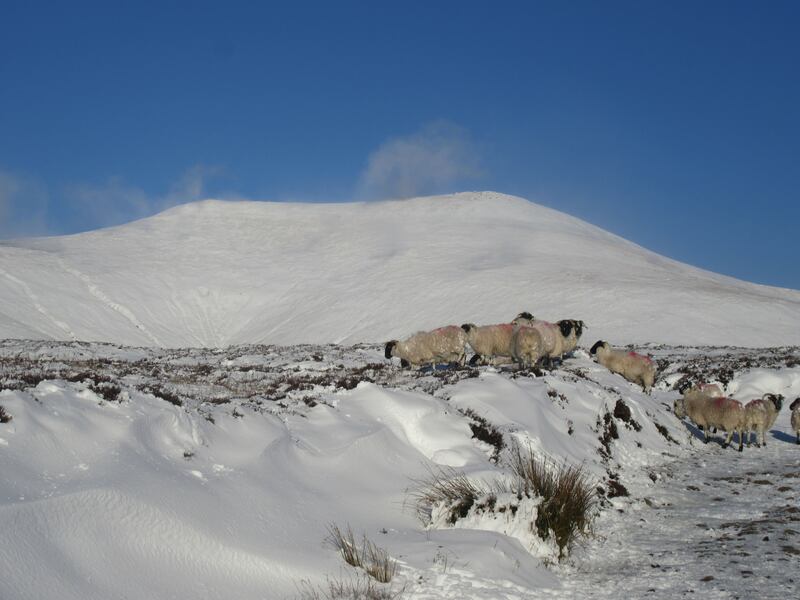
x: 390, y: 348
x: 523, y: 317
x: 468, y: 327
x: 566, y: 327
x: 598, y: 344
x: 794, y: 404
x: 684, y: 385
x: 776, y: 399
x: 679, y: 408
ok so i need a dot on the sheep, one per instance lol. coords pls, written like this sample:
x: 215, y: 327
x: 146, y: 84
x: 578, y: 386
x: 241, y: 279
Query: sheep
x: 443, y: 345
x: 558, y: 338
x: 760, y: 416
x: 491, y: 342
x: 706, y: 412
x: 571, y: 330
x: 527, y: 346
x: 634, y: 367
x: 795, y: 408
x: 710, y: 390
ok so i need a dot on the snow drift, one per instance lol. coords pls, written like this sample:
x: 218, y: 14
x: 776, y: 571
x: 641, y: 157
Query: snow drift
x: 215, y: 273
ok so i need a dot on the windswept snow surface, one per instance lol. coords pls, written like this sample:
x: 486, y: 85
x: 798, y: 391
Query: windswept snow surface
x: 151, y: 473
x: 216, y: 273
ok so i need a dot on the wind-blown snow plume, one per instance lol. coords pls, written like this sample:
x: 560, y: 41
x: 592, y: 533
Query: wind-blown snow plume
x: 439, y: 155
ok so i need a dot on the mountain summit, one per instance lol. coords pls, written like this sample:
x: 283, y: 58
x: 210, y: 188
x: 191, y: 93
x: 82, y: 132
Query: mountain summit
x: 215, y: 273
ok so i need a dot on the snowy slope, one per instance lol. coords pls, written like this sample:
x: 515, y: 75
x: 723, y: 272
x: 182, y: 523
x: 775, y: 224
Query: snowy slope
x: 230, y: 495
x: 217, y: 273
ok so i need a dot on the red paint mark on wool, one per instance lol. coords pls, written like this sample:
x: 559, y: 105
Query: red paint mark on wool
x: 729, y: 403
x: 647, y: 359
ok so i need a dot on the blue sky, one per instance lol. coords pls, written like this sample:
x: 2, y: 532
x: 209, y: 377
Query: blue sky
x: 673, y: 124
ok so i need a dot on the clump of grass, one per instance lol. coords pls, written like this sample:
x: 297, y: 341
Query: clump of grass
x: 568, y: 497
x: 445, y: 487
x: 361, y: 588
x: 375, y: 561
x: 4, y: 416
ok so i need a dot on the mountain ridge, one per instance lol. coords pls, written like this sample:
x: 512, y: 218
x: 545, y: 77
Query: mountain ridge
x: 213, y: 273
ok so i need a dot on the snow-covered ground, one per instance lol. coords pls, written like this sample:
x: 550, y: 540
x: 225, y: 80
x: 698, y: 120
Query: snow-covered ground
x: 218, y: 273
x: 199, y: 473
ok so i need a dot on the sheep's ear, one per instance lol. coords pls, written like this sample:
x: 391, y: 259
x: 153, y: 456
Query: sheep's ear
x: 565, y: 327
x: 597, y: 344
x: 389, y: 347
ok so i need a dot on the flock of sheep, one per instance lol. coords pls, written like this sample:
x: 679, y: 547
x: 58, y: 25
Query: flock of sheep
x: 708, y: 407
x: 526, y: 341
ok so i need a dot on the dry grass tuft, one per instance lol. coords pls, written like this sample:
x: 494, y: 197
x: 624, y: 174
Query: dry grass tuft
x: 569, y: 496
x: 360, y: 588
x: 374, y: 560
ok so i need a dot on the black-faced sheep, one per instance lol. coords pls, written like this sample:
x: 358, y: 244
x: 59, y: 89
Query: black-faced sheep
x: 490, y: 342
x: 705, y: 412
x: 795, y: 408
x: 440, y: 346
x: 571, y: 331
x: 634, y: 367
x: 760, y: 416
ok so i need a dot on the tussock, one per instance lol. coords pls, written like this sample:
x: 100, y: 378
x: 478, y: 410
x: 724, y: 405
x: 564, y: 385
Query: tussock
x: 375, y: 561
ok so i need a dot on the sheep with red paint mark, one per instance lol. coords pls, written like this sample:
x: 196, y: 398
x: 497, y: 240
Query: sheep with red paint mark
x: 634, y: 367
x: 760, y: 415
x: 445, y: 345
x: 705, y: 412
x: 795, y: 408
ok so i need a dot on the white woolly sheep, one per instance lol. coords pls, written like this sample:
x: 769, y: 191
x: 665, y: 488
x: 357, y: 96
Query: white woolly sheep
x: 443, y: 345
x: 795, y: 408
x: 557, y: 338
x: 760, y: 416
x: 634, y: 367
x: 490, y: 342
x: 527, y: 346
x: 705, y: 412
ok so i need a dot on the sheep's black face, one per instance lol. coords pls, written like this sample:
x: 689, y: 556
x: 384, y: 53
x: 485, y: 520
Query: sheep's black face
x: 684, y: 385
x: 566, y: 327
x: 404, y: 363
x: 389, y: 347
x: 579, y: 325
x: 597, y: 344
x: 776, y: 399
x: 794, y: 404
x: 467, y: 326
x: 525, y: 315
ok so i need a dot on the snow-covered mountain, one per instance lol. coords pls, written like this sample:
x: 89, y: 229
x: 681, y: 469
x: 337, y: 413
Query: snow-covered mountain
x: 215, y: 273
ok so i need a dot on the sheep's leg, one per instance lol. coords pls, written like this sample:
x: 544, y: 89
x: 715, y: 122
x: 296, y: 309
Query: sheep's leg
x: 741, y: 440
x: 798, y: 437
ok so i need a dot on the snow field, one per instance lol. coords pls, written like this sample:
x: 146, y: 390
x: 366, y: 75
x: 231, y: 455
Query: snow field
x: 140, y: 498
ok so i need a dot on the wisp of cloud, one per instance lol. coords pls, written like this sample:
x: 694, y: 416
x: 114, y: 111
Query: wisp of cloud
x: 439, y: 156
